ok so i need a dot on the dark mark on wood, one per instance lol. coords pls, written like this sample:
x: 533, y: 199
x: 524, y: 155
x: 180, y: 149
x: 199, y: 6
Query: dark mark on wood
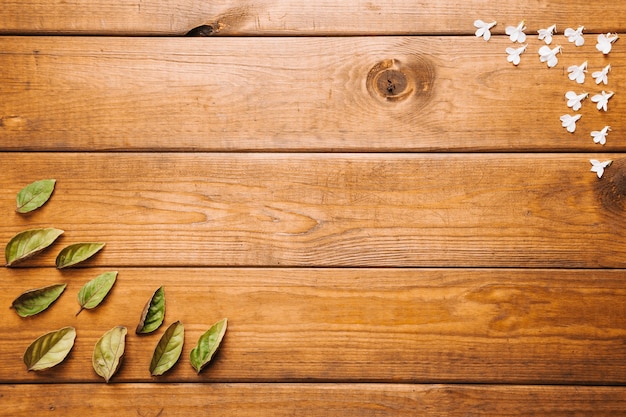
x: 203, y: 30
x: 611, y: 188
x: 393, y: 81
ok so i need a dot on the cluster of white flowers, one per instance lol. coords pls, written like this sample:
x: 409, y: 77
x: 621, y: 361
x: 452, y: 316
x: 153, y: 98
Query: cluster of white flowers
x: 576, y: 73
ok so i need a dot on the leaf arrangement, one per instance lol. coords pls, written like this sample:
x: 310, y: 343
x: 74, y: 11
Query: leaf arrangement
x: 52, y: 348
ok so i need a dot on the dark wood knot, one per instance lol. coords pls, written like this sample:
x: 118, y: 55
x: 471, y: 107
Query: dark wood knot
x: 393, y: 80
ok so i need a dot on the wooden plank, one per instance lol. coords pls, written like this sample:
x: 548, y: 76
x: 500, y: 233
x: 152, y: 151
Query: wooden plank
x: 456, y: 210
x: 151, y: 400
x: 344, y: 325
x: 297, y: 94
x: 302, y: 17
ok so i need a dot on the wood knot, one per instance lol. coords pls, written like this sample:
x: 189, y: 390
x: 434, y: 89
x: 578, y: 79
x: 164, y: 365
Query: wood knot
x: 611, y: 188
x: 392, y: 80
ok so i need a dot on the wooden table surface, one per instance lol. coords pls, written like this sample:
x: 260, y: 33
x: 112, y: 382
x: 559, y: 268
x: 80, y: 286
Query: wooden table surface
x: 388, y: 212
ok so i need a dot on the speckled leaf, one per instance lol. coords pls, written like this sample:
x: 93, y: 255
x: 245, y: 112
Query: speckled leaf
x: 208, y: 343
x: 168, y: 350
x: 76, y: 253
x: 49, y: 349
x: 29, y: 243
x: 153, y: 313
x: 93, y: 292
x: 37, y: 300
x: 34, y: 195
x: 108, y: 352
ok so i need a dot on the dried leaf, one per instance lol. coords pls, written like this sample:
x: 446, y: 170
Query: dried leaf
x: 168, y: 350
x: 78, y: 252
x: 153, y: 313
x: 93, y: 292
x: 49, y: 349
x: 29, y: 243
x: 207, y: 345
x: 35, y: 301
x: 34, y: 195
x: 108, y: 352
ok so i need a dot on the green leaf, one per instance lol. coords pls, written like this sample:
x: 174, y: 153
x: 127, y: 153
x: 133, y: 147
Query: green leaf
x: 29, y: 243
x: 35, y: 301
x: 208, y: 343
x: 93, y: 292
x: 34, y: 195
x: 168, y: 350
x: 49, y: 349
x: 108, y: 352
x: 153, y: 313
x: 78, y: 252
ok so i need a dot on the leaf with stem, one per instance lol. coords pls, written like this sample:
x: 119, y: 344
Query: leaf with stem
x: 49, y: 349
x: 93, y: 292
x: 28, y: 243
x: 76, y: 253
x: 34, y: 195
x: 168, y: 350
x: 108, y: 352
x: 37, y: 300
x: 153, y: 313
x: 207, y: 345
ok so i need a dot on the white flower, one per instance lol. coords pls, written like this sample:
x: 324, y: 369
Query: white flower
x: 574, y: 100
x: 569, y: 122
x: 516, y: 34
x: 605, y: 42
x: 602, y: 99
x: 602, y: 76
x: 577, y: 73
x: 598, y: 167
x: 548, y: 55
x: 575, y: 36
x: 514, y: 54
x: 599, y: 136
x: 546, y: 34
x: 483, y: 29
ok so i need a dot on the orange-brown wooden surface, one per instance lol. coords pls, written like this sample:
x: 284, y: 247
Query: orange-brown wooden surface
x: 298, y: 94
x: 343, y: 325
x: 300, y: 17
x: 312, y: 400
x: 393, y: 225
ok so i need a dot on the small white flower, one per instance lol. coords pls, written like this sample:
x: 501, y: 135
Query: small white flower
x: 546, y: 34
x: 569, y: 122
x: 516, y: 33
x: 548, y: 55
x: 599, y: 136
x: 598, y: 167
x: 602, y: 99
x: 575, y: 36
x: 514, y: 54
x: 483, y: 29
x: 602, y: 76
x: 575, y: 100
x: 577, y: 72
x: 605, y: 42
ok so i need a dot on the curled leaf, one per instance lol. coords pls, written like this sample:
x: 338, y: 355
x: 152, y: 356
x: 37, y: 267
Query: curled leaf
x: 93, y: 292
x: 207, y: 345
x: 108, y: 352
x: 29, y: 243
x: 153, y: 313
x: 78, y: 252
x: 35, y: 301
x: 168, y: 350
x: 34, y: 195
x: 49, y: 349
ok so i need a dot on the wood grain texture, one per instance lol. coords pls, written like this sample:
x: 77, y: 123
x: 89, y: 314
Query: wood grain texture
x: 343, y: 325
x: 312, y: 400
x: 456, y: 210
x: 302, y: 17
x: 297, y: 94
